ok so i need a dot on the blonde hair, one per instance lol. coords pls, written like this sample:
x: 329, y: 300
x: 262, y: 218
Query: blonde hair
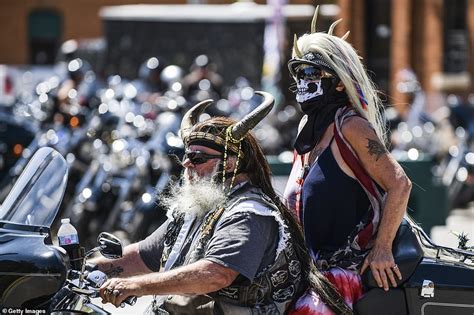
x: 345, y: 61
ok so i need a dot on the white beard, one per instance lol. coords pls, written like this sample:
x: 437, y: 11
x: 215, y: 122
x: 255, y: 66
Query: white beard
x: 303, y: 95
x: 196, y: 197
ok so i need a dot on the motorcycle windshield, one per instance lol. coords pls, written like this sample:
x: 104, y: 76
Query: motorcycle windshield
x: 38, y: 192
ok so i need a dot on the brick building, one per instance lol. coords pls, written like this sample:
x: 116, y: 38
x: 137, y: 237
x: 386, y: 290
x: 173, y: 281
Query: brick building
x: 434, y: 37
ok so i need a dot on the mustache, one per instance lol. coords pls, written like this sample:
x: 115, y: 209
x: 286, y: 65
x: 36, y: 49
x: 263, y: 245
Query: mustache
x: 173, y: 157
x: 197, y: 196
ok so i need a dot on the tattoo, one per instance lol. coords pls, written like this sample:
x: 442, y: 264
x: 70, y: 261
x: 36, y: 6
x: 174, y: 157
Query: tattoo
x: 113, y: 271
x: 376, y: 148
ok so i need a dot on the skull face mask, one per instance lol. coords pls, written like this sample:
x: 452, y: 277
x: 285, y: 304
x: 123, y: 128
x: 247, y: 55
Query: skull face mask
x: 319, y: 99
x: 308, y: 83
x: 314, y: 88
x: 308, y: 89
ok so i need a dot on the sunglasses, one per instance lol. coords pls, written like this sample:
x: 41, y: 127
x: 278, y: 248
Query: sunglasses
x: 197, y: 157
x: 307, y: 72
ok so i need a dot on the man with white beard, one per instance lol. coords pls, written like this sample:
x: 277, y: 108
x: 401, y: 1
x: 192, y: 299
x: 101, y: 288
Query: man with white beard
x: 229, y: 245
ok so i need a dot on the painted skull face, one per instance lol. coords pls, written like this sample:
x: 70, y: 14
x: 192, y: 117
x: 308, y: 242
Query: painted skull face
x: 308, y: 83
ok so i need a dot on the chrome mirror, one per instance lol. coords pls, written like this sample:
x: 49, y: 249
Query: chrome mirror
x: 110, y: 246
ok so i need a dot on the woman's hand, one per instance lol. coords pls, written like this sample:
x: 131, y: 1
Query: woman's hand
x: 381, y: 262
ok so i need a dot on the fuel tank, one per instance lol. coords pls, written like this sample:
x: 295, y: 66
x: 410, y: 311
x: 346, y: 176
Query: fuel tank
x: 31, y: 271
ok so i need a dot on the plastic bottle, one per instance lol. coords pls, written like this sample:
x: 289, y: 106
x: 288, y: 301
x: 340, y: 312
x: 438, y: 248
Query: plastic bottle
x: 69, y: 240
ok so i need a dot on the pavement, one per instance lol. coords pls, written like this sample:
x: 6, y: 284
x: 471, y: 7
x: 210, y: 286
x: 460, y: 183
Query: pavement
x: 459, y: 220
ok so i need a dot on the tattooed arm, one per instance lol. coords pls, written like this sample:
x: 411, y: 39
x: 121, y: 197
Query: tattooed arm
x: 383, y: 168
x: 138, y: 258
x: 129, y: 265
x: 198, y: 278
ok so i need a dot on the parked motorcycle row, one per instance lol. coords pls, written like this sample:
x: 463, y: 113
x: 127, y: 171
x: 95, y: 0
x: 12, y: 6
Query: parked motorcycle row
x: 120, y: 141
x: 116, y: 149
x: 447, y: 138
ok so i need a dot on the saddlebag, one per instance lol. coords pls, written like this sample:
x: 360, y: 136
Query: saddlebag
x: 441, y: 286
x: 377, y: 301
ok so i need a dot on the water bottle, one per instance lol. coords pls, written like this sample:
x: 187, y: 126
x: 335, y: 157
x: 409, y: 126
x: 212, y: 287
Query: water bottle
x: 69, y: 240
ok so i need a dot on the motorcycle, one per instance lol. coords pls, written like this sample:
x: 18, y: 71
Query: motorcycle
x: 116, y: 193
x: 458, y: 169
x: 35, y: 274
x: 436, y: 280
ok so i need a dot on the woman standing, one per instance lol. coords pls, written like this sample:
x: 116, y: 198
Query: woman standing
x: 347, y: 190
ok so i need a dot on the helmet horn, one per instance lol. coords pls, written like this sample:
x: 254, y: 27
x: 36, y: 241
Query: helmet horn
x: 315, y: 18
x: 344, y: 37
x: 295, y: 47
x: 191, y: 117
x: 240, y: 129
x: 333, y: 25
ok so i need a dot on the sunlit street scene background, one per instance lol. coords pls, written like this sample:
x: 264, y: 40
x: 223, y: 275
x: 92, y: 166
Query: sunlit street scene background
x: 106, y: 83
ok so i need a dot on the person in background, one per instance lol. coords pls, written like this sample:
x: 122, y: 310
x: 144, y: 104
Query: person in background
x: 76, y: 95
x: 149, y: 84
x: 412, y: 115
x: 77, y: 70
x: 424, y: 123
x: 202, y: 82
x: 348, y: 192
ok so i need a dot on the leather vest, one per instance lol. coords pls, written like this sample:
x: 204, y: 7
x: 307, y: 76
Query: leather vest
x: 272, y: 290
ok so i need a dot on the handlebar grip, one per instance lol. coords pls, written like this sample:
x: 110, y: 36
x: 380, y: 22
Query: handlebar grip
x: 131, y: 300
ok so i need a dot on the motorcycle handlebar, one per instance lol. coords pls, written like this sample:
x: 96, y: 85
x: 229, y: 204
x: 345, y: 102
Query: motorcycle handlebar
x: 428, y: 242
x: 97, y: 278
x: 131, y: 300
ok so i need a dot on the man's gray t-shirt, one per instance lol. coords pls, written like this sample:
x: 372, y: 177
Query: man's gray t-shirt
x: 243, y: 241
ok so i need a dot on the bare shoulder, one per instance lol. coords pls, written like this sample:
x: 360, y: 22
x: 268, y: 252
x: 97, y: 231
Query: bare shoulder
x: 362, y: 137
x: 356, y: 127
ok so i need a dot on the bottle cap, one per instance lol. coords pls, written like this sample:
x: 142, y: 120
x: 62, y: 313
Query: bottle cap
x: 65, y: 220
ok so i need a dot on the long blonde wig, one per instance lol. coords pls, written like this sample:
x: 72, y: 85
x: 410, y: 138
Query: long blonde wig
x: 345, y: 61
